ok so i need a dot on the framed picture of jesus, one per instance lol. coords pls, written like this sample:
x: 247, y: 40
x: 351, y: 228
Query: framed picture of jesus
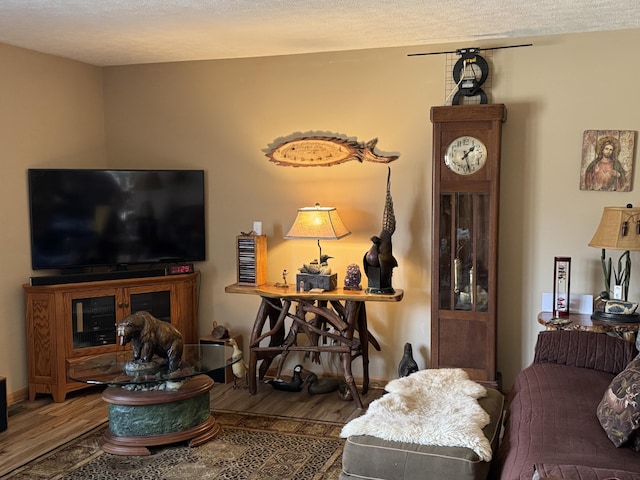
x: 607, y: 160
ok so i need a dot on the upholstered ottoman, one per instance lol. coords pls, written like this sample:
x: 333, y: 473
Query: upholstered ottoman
x: 369, y: 457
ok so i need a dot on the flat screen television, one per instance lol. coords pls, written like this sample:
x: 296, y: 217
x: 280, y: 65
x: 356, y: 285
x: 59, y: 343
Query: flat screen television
x: 83, y: 218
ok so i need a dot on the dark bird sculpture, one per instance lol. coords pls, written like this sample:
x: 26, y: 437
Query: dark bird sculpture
x: 295, y: 385
x: 320, y: 385
x: 407, y: 364
x: 387, y: 261
x: 371, y: 258
x: 379, y: 261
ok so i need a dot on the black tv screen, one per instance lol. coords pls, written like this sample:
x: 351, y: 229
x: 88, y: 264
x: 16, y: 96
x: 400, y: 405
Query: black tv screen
x: 87, y: 218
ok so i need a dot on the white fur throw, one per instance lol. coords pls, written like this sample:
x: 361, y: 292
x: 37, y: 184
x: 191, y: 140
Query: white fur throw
x: 429, y: 407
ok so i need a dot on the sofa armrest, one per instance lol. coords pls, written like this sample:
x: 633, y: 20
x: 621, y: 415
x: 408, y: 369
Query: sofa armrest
x: 578, y: 348
x: 580, y: 472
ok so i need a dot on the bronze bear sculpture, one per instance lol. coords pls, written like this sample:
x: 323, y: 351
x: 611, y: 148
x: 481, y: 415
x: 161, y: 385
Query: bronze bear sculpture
x: 150, y: 336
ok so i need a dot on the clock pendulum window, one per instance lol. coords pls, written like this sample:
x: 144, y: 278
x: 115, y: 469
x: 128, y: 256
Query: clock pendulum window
x: 466, y: 181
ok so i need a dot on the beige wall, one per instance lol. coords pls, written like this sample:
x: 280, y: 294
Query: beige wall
x: 51, y: 115
x: 221, y: 115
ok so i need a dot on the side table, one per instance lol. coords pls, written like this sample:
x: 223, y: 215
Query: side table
x: 583, y: 321
x: 333, y: 321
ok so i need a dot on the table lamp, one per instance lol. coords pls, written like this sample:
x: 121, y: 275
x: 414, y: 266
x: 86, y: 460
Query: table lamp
x: 320, y: 223
x: 619, y: 229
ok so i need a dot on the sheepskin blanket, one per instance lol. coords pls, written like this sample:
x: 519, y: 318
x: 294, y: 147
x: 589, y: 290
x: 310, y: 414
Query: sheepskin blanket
x: 429, y: 407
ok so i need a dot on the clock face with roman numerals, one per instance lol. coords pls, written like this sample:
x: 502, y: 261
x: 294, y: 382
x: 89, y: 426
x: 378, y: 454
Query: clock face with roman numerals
x: 465, y: 155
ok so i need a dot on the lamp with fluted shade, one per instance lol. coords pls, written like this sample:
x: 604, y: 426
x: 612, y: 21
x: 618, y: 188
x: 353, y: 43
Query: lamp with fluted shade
x: 619, y: 229
x: 320, y: 223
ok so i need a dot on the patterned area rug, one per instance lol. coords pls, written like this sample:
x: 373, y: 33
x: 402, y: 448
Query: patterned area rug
x: 248, y: 447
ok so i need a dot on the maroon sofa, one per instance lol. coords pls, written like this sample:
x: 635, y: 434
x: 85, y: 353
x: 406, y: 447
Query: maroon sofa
x: 552, y: 429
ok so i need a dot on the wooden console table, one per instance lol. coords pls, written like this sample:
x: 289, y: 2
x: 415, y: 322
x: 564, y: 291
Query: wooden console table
x: 336, y: 317
x: 583, y: 321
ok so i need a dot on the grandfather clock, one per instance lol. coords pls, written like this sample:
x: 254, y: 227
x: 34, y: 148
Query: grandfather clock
x: 466, y: 184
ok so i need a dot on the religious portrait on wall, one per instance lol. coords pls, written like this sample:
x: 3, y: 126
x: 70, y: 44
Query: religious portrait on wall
x: 607, y: 160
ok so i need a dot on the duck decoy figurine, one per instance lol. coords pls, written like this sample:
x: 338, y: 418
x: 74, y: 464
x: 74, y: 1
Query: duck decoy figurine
x: 239, y: 368
x: 407, y: 364
x: 316, y: 268
x: 344, y: 392
x: 295, y: 385
x: 320, y: 385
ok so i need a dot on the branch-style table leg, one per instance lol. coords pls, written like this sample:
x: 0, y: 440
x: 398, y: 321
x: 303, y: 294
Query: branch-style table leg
x: 275, y: 311
x: 359, y: 317
x: 351, y: 315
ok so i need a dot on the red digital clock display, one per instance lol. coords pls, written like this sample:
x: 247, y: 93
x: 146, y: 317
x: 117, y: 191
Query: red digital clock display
x: 180, y: 269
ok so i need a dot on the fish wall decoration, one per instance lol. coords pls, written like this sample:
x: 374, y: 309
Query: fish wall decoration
x: 324, y: 151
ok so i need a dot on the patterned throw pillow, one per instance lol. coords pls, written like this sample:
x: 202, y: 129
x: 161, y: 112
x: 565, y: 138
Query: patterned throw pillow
x: 619, y: 409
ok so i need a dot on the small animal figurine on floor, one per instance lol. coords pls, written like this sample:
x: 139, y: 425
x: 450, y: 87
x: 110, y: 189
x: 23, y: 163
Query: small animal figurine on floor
x: 240, y: 368
x: 407, y: 364
x: 320, y: 385
x: 220, y: 332
x: 295, y: 385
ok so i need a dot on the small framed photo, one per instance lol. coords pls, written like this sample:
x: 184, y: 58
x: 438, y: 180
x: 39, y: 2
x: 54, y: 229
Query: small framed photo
x: 607, y: 160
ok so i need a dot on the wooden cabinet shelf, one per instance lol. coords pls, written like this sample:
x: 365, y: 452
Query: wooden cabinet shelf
x: 71, y: 321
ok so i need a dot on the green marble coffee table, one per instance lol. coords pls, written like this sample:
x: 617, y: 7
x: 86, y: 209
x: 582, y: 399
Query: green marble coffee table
x: 155, y: 406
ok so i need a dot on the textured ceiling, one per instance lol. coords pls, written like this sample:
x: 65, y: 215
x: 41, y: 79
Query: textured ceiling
x: 120, y: 32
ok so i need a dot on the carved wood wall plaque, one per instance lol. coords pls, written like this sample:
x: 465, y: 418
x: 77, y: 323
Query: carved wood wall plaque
x: 324, y: 151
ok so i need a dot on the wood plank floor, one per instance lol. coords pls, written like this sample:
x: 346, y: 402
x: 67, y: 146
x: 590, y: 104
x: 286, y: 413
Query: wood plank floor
x: 36, y: 428
x: 269, y: 401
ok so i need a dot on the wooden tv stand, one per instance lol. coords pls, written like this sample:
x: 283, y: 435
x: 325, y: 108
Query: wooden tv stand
x: 69, y: 322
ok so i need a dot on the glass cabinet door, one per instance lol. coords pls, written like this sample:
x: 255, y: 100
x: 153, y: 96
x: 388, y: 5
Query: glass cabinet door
x: 93, y: 321
x: 156, y: 303
x: 94, y: 318
x: 464, y: 251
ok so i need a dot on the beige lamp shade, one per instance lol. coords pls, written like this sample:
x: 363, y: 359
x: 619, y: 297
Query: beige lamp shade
x: 619, y: 229
x: 322, y: 223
